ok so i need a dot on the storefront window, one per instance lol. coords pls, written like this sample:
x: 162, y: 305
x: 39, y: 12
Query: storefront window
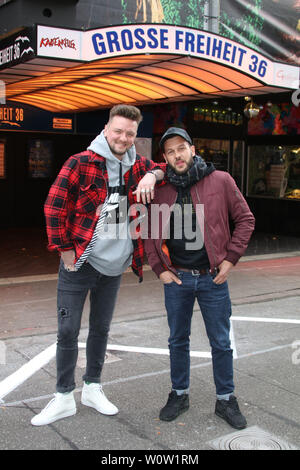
x: 215, y: 151
x: 274, y: 171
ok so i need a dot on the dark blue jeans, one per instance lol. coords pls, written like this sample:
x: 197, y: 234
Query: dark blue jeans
x: 72, y: 291
x: 215, y: 306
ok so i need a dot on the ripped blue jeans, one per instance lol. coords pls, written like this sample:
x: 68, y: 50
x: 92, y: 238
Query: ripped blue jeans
x: 72, y: 291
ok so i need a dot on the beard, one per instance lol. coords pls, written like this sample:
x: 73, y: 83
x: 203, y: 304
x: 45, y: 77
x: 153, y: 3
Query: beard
x: 189, y: 164
x: 115, y: 151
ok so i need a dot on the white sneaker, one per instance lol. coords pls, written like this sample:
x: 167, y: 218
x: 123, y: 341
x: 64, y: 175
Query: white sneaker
x: 61, y: 406
x: 93, y: 396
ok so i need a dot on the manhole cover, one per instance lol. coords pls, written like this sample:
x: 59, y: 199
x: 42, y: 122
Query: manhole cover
x: 252, y: 438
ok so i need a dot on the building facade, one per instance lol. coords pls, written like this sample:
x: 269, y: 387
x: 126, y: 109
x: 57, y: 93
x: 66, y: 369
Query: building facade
x: 66, y: 64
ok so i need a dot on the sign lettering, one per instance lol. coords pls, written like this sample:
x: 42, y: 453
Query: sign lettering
x: 19, y: 47
x: 11, y: 116
x: 60, y: 42
x: 113, y: 41
x: 132, y: 39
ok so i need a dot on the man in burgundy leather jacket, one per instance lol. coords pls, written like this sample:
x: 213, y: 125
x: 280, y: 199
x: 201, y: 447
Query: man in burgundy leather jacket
x: 192, y: 251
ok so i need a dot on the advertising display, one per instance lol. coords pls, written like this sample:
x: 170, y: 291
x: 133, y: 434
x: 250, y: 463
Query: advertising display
x: 269, y: 26
x: 276, y: 119
x: 40, y: 158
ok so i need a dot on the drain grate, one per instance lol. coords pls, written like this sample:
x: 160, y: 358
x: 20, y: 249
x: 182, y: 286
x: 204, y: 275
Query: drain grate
x: 252, y: 438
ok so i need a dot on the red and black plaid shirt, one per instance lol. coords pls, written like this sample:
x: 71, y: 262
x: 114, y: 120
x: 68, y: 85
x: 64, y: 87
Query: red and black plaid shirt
x: 80, y: 187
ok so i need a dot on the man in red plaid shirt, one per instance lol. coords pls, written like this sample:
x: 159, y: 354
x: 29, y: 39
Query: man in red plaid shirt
x: 87, y: 222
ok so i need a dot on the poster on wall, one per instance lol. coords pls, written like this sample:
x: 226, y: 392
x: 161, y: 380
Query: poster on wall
x: 272, y: 26
x: 276, y: 119
x: 40, y: 157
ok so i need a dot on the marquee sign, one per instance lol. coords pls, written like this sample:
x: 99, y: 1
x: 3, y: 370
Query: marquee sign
x: 125, y: 40
x: 116, y: 41
x: 175, y: 40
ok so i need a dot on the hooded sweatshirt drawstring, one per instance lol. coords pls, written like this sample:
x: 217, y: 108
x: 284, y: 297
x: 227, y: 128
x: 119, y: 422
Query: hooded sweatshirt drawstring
x: 112, y: 250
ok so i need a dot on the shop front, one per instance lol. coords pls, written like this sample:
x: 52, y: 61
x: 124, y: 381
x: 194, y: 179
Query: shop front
x: 273, y: 151
x: 60, y: 84
x: 261, y: 153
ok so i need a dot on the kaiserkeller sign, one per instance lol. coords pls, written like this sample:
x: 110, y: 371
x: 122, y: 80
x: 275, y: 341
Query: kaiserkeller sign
x: 59, y: 43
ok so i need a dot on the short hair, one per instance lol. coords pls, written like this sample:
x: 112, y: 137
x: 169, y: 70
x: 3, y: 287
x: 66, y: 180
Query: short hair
x: 126, y: 111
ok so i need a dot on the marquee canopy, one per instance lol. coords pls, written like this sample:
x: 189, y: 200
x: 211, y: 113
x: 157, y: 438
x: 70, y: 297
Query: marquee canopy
x: 63, y: 70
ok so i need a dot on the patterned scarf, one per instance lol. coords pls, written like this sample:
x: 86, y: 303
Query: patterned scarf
x: 195, y: 173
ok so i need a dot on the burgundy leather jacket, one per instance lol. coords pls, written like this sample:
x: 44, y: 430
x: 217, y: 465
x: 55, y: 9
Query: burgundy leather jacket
x: 221, y: 201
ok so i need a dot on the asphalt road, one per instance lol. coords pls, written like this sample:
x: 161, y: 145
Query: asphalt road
x: 265, y: 295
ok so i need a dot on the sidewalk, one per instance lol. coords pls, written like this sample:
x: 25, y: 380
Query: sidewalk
x: 265, y: 291
x: 24, y: 251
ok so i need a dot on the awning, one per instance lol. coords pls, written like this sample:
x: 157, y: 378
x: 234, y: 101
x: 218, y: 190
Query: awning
x: 72, y: 71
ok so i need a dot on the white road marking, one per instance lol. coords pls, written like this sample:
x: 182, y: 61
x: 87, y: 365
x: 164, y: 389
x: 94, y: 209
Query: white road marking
x: 38, y: 362
x: 117, y: 347
x: 232, y: 341
x: 267, y: 320
x: 14, y: 380
x: 27, y: 370
x: 145, y: 375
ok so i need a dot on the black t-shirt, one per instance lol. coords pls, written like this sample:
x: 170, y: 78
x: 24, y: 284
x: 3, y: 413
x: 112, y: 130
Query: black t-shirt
x: 185, y: 244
